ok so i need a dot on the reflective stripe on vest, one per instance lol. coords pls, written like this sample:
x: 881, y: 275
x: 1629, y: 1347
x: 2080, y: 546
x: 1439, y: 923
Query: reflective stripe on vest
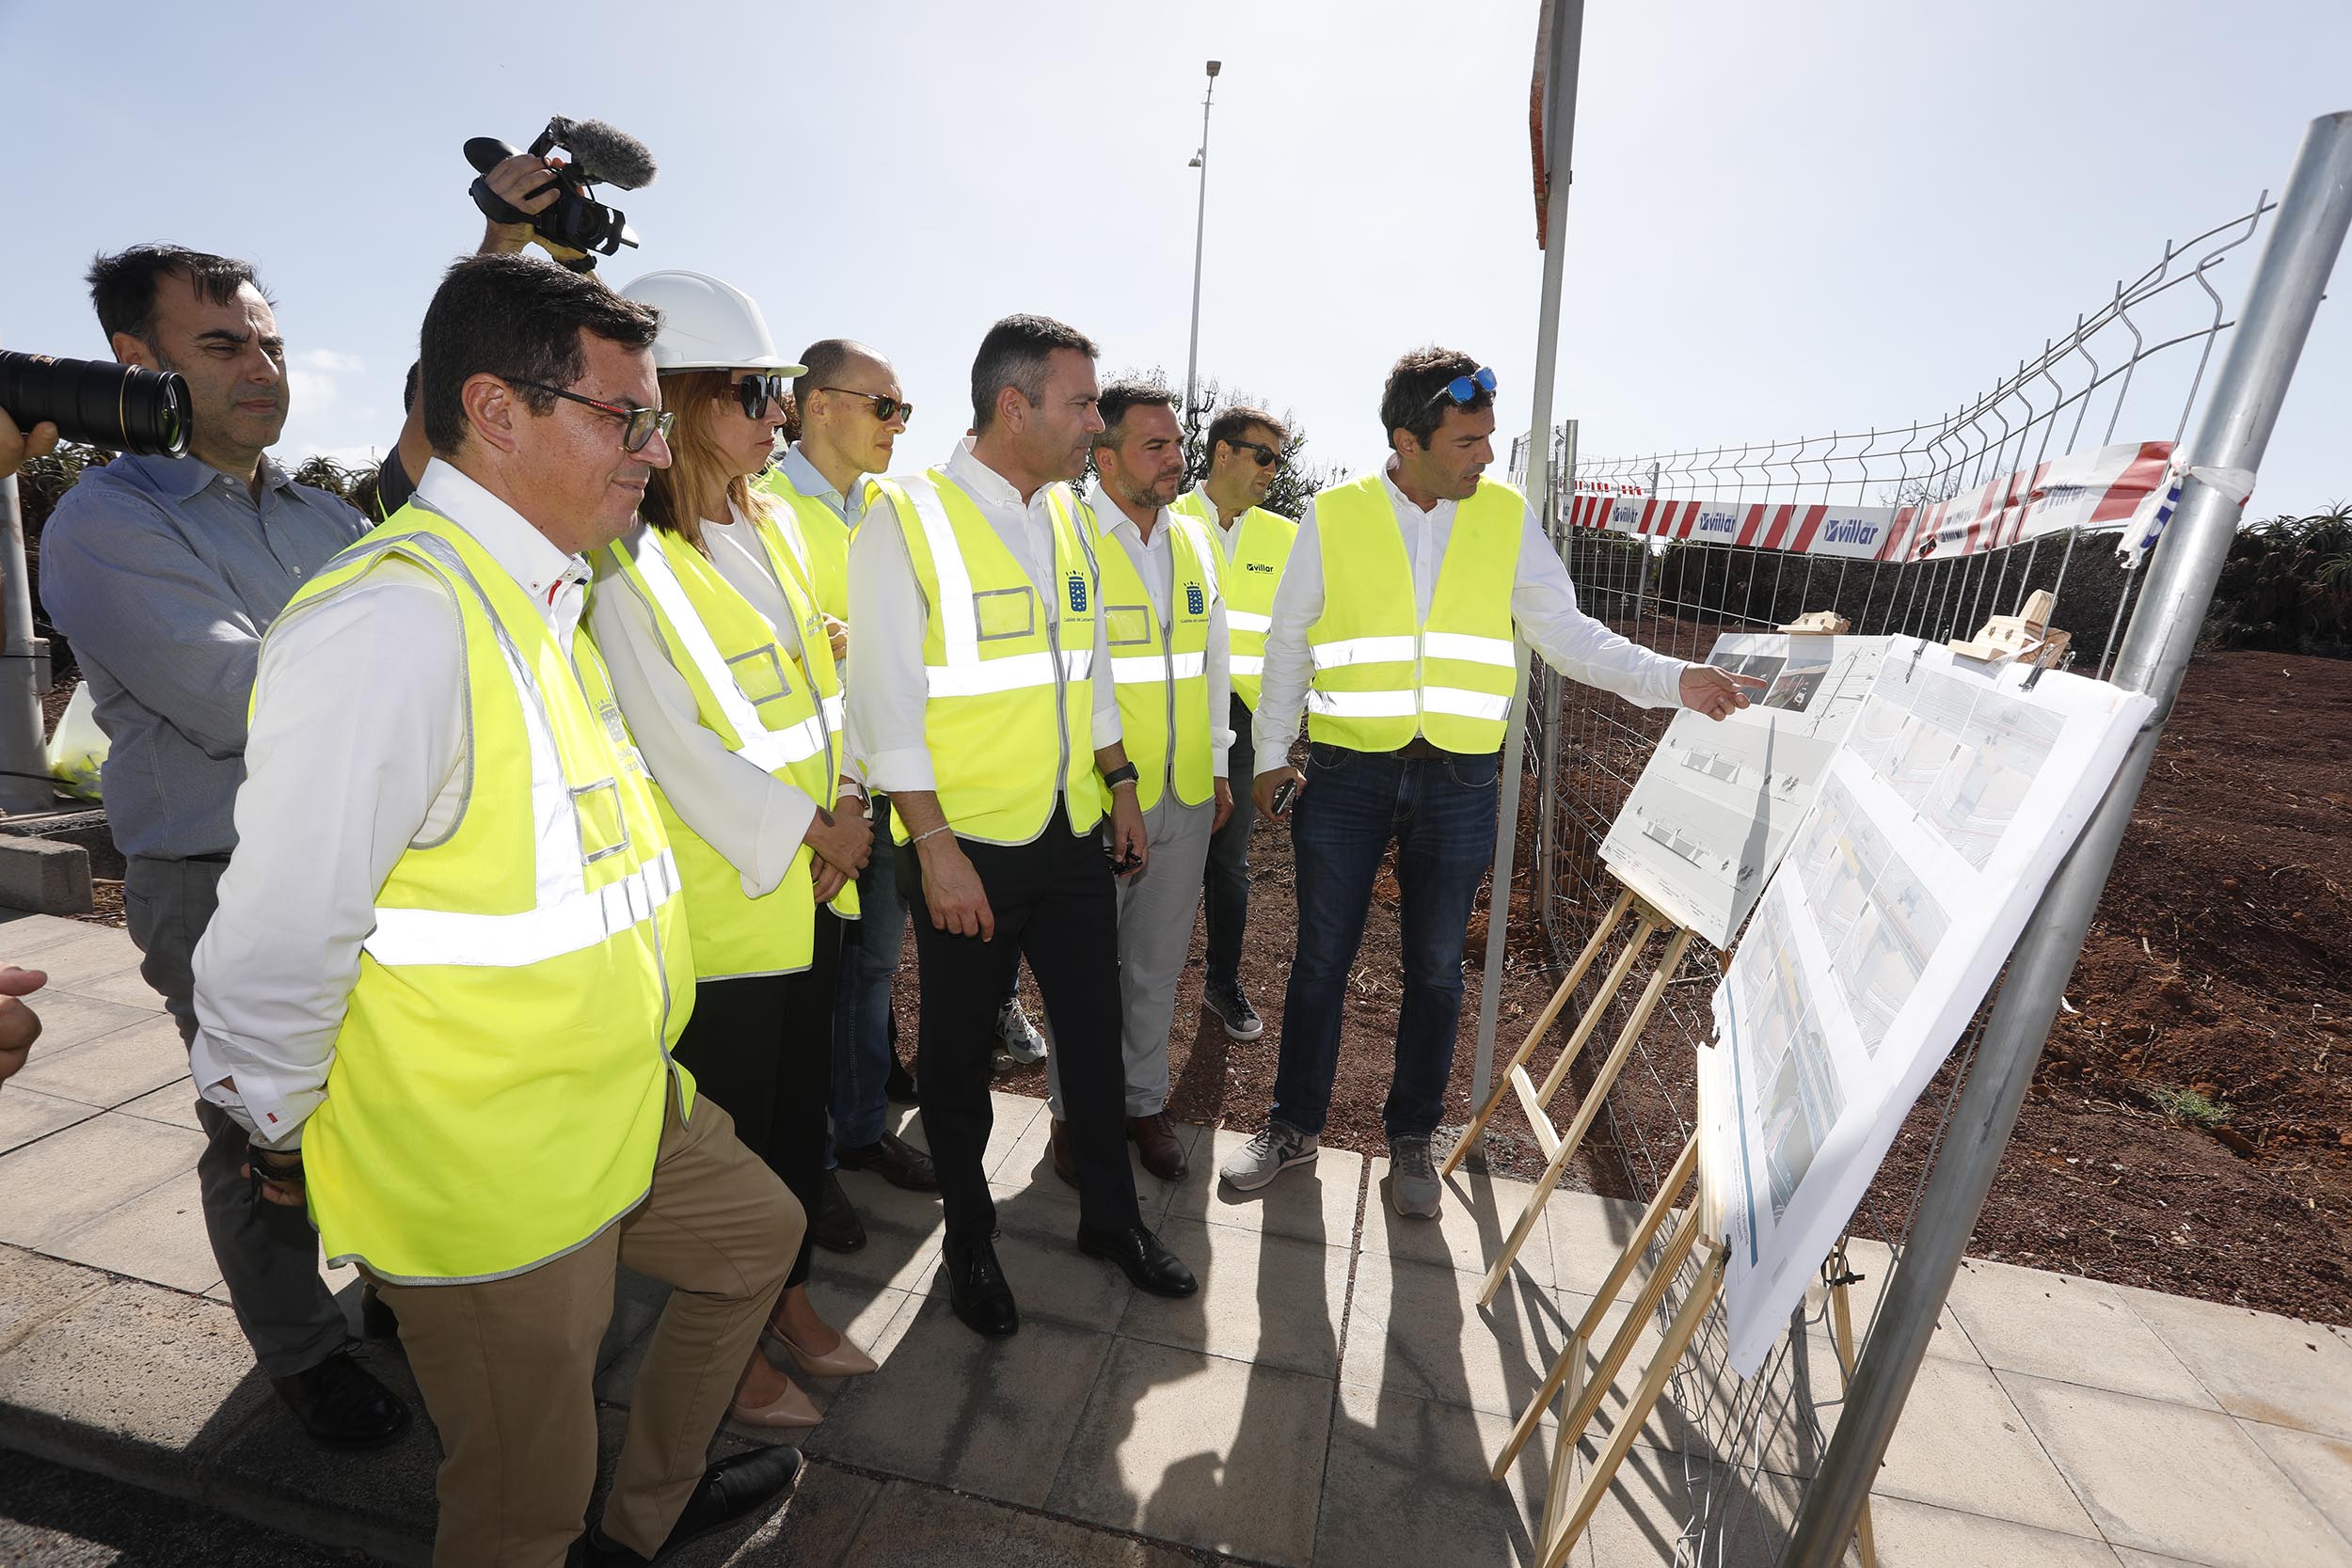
x: 1162, y: 675
x: 754, y: 741
x: 1382, y: 675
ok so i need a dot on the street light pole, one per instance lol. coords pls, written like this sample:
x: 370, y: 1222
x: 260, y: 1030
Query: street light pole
x: 1199, y: 232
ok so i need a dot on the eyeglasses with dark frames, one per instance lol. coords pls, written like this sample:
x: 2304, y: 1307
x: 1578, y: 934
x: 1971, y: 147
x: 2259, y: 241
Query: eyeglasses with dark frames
x: 638, y: 425
x: 885, y: 409
x: 757, y: 392
x: 1266, y: 456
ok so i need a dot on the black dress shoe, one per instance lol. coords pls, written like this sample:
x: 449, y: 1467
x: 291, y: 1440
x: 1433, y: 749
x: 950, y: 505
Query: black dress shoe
x: 730, y: 1490
x: 898, y: 1088
x: 978, y: 1291
x: 342, y: 1405
x: 1149, y: 1263
x: 377, y: 1321
x: 835, y: 1225
x: 895, y: 1160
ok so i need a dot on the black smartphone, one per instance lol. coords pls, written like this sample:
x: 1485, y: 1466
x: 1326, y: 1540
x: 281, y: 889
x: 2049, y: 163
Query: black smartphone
x: 1284, y: 793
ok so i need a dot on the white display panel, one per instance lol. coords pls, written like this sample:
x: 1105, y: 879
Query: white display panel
x: 1939, y: 822
x: 1711, y: 813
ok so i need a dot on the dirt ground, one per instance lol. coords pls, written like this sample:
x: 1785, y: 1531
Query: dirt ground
x: 2217, y: 965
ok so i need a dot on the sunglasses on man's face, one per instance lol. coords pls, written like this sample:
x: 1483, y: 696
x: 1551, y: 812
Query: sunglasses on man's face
x: 1266, y: 456
x: 759, y: 392
x: 639, y: 424
x: 885, y: 409
x: 1464, y: 389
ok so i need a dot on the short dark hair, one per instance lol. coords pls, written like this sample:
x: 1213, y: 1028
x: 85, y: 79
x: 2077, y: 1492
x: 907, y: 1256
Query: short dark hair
x: 519, y: 318
x: 408, y: 388
x: 1017, y: 353
x: 122, y: 286
x: 1237, y: 419
x: 1411, y: 403
x: 1122, y: 397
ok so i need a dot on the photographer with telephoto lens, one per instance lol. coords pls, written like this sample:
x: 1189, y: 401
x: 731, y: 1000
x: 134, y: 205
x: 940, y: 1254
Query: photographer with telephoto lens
x: 165, y: 572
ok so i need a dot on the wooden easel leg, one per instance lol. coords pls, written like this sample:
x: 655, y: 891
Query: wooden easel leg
x: 1594, y: 1096
x: 1604, y: 1470
x: 1566, y: 1377
x: 1841, y: 1323
x: 1543, y: 1021
x: 1613, y: 1360
x: 1618, y: 972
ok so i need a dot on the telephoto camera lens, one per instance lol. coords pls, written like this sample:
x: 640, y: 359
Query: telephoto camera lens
x: 98, y: 402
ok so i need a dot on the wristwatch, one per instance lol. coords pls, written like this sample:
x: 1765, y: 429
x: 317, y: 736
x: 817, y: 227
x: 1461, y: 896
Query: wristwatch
x: 1124, y: 773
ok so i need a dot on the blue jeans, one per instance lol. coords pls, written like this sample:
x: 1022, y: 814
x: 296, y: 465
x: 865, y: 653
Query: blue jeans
x: 1440, y: 813
x: 860, y: 1009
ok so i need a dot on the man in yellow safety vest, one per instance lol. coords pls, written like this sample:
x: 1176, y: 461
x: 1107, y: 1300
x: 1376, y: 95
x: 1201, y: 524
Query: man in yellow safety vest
x: 450, y: 957
x: 1396, y: 628
x: 1244, y: 454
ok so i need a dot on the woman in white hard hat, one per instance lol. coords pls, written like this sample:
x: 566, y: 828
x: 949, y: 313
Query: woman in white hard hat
x: 723, y: 667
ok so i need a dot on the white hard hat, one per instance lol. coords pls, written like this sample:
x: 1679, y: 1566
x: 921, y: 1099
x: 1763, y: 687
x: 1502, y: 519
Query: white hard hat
x: 707, y: 324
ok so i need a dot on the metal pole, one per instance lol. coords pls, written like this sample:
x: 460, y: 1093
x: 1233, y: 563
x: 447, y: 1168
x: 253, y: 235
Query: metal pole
x: 1567, y: 30
x: 1200, y: 234
x: 1548, y: 771
x: 24, y: 672
x: 2280, y: 301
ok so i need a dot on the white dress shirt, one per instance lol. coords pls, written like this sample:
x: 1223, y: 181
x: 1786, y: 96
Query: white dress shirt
x: 754, y: 819
x: 1543, y: 609
x: 1225, y: 530
x: 358, y: 749
x: 888, y: 612
x: 1155, y: 563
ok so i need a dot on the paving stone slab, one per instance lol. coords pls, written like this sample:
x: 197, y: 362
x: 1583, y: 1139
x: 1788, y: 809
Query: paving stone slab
x: 34, y: 1290
x: 1030, y: 1168
x: 1962, y: 1444
x: 139, y: 1053
x: 989, y: 1416
x: 65, y: 950
x: 1416, y: 1328
x: 2320, y: 1466
x: 68, y: 1022
x: 1645, y: 1517
x: 1407, y: 1482
x: 2282, y: 1371
x: 26, y: 1114
x: 912, y: 1525
x: 1913, y: 1535
x: 902, y: 1232
x: 1214, y: 1454
x: 2068, y: 1329
x: 1266, y: 1299
x: 125, y: 984
x: 174, y: 1105
x: 1588, y: 1233
x: 2177, y: 1482
x: 1051, y: 1279
x: 815, y: 1529
x: 1474, y: 1218
x: 1312, y: 1203
x: 381, y: 1501
x: 1012, y: 1116
x: 86, y: 1172
x: 158, y: 1236
x: 1876, y: 1262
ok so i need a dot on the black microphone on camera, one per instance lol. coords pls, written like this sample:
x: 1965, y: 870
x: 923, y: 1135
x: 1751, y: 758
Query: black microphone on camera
x: 597, y: 153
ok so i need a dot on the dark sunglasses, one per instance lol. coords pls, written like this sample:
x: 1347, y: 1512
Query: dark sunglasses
x: 638, y: 425
x: 755, y: 392
x: 1268, y: 456
x: 885, y: 409
x: 1465, y: 388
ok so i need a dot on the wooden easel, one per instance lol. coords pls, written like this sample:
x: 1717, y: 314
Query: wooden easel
x: 1535, y: 1098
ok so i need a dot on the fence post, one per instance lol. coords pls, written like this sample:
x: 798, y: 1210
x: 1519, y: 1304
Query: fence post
x: 24, y: 785
x: 2280, y: 301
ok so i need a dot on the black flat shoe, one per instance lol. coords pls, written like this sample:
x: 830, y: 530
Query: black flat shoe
x: 978, y: 1291
x: 835, y: 1225
x: 1140, y: 1253
x: 730, y: 1491
x: 895, y: 1160
x: 342, y: 1406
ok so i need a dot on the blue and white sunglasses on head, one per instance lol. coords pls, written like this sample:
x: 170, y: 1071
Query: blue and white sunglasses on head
x: 1464, y: 389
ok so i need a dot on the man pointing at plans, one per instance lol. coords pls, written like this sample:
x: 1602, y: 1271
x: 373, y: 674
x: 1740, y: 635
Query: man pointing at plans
x: 1394, y: 628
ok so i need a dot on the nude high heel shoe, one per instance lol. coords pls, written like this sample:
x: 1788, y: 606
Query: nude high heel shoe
x: 843, y: 1360
x: 792, y: 1408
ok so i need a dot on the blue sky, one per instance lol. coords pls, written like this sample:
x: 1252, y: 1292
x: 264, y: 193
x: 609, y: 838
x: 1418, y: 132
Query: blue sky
x: 1786, y: 219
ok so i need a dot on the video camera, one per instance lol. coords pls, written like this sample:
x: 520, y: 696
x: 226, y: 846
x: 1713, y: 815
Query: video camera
x: 576, y: 220
x: 99, y: 402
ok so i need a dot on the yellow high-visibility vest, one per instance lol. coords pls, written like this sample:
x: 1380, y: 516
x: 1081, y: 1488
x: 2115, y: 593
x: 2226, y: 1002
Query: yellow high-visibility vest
x: 498, y: 1088
x: 1162, y: 675
x: 1248, y: 582
x: 826, y: 537
x: 1381, y: 675
x: 763, y: 708
x: 1008, y: 715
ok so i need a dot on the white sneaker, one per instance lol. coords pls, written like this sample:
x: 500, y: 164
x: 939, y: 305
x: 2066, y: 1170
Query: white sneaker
x: 1413, y: 1186
x: 1018, y: 1036
x: 1274, y: 1150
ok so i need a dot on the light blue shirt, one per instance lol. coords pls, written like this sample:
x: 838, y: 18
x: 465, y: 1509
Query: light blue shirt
x: 163, y: 573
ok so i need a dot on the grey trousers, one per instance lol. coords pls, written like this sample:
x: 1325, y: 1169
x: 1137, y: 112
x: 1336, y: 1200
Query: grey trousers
x: 1156, y: 908
x: 268, y: 1254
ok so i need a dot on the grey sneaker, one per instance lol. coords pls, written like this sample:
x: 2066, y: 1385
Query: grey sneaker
x: 1412, y: 1180
x: 1018, y: 1036
x: 1233, y: 1010
x: 1268, y: 1155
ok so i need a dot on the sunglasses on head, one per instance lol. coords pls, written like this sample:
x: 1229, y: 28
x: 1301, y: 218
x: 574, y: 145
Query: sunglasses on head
x: 1266, y: 456
x: 757, y: 392
x: 639, y: 425
x: 1465, y: 389
x: 885, y: 409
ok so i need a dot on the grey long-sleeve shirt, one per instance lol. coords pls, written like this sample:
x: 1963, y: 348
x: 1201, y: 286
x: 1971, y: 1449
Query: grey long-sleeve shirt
x: 165, y: 572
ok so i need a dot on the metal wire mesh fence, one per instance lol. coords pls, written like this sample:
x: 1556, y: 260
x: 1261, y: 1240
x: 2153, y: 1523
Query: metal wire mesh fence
x: 1742, y: 1452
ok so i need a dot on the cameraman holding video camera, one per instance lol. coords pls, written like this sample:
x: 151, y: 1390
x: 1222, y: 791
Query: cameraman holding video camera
x: 165, y: 571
